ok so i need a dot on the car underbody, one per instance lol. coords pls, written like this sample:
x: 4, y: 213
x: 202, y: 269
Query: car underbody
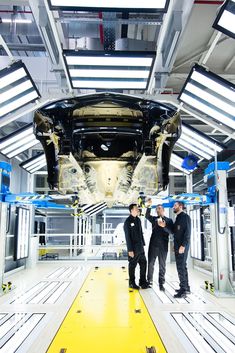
x: 107, y: 147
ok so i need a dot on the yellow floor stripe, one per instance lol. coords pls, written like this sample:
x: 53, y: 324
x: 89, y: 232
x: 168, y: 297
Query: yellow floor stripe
x: 106, y: 317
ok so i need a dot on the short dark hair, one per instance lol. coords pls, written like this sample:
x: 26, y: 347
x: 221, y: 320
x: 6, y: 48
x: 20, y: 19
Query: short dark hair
x: 159, y: 205
x: 181, y: 203
x: 132, y: 205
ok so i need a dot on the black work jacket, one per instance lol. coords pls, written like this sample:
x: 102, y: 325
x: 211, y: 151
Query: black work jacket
x: 160, y: 235
x: 182, y: 230
x: 134, y: 235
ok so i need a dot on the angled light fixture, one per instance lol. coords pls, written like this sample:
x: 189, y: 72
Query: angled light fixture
x: 16, y: 88
x: 210, y: 94
x: 176, y: 161
x: 35, y: 163
x: 15, y: 20
x: 109, y: 70
x: 199, y: 143
x: 112, y: 5
x: 18, y: 141
x: 225, y: 19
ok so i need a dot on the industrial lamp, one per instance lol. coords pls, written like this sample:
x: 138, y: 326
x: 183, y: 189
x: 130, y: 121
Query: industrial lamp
x: 176, y: 161
x: 35, y: 163
x: 110, y: 5
x: 109, y: 70
x: 16, y: 88
x: 18, y: 141
x: 198, y: 142
x: 210, y: 94
x: 225, y: 19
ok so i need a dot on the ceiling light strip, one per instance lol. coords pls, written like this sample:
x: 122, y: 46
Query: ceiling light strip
x: 18, y: 144
x: 106, y: 61
x: 16, y: 88
x: 190, y: 148
x: 109, y: 73
x: 193, y: 134
x: 23, y: 148
x: 203, y: 107
x: 6, y: 141
x: 121, y: 5
x: 33, y: 162
x: 196, y: 144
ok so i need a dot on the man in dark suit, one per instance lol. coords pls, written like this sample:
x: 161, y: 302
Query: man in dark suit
x: 158, y: 245
x: 135, y: 247
x: 182, y: 231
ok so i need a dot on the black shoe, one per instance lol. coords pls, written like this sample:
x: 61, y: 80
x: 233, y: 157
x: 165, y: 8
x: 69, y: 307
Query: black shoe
x: 187, y: 290
x: 133, y: 286
x: 180, y: 294
x: 145, y: 285
x: 161, y: 287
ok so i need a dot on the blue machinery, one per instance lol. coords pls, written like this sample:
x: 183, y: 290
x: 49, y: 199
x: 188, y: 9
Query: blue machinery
x: 215, y: 198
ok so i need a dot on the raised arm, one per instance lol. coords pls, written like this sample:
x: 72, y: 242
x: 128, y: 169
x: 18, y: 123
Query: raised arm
x: 148, y: 215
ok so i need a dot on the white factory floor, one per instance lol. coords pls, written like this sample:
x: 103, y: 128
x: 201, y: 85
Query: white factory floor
x: 32, y: 312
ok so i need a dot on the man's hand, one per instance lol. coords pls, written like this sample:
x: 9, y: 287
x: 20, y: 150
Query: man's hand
x: 161, y: 223
x: 148, y: 203
x: 181, y: 249
x: 131, y: 253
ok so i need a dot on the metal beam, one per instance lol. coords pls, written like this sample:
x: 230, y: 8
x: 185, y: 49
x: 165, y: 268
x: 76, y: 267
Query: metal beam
x: 47, y: 27
x: 212, y: 44
x: 6, y: 48
x: 182, y: 9
x: 196, y: 54
x: 229, y: 64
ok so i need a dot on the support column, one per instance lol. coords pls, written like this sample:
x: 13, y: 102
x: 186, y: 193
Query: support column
x: 189, y: 190
x: 32, y: 259
x: 3, y: 225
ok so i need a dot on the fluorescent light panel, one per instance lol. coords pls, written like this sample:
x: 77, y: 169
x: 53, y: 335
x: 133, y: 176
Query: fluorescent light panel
x: 6, y: 142
x: 199, y: 137
x: 210, y: 94
x: 112, y: 70
x: 225, y: 19
x: 112, y: 5
x: 18, y: 141
x: 23, y: 148
x: 35, y: 163
x: 38, y: 167
x: 189, y: 147
x: 16, y: 20
x: 16, y: 88
x: 18, y: 144
x: 176, y: 162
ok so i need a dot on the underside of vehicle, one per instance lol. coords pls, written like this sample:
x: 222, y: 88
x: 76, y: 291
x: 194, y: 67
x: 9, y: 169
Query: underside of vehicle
x: 107, y: 147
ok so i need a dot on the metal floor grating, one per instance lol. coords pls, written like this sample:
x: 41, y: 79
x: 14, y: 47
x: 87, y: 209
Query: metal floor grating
x: 67, y: 272
x: 16, y: 328
x: 43, y: 292
x: 207, y: 332
x: 167, y: 297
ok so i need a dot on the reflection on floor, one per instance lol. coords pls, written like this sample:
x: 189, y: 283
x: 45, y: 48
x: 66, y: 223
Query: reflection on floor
x: 31, y: 314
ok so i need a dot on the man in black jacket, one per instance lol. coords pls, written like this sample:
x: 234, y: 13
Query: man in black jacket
x: 158, y: 245
x: 182, y: 231
x: 135, y: 247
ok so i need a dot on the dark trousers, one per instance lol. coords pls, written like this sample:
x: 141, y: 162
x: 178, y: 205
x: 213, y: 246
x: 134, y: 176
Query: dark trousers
x: 181, y: 265
x: 160, y: 252
x: 133, y: 261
